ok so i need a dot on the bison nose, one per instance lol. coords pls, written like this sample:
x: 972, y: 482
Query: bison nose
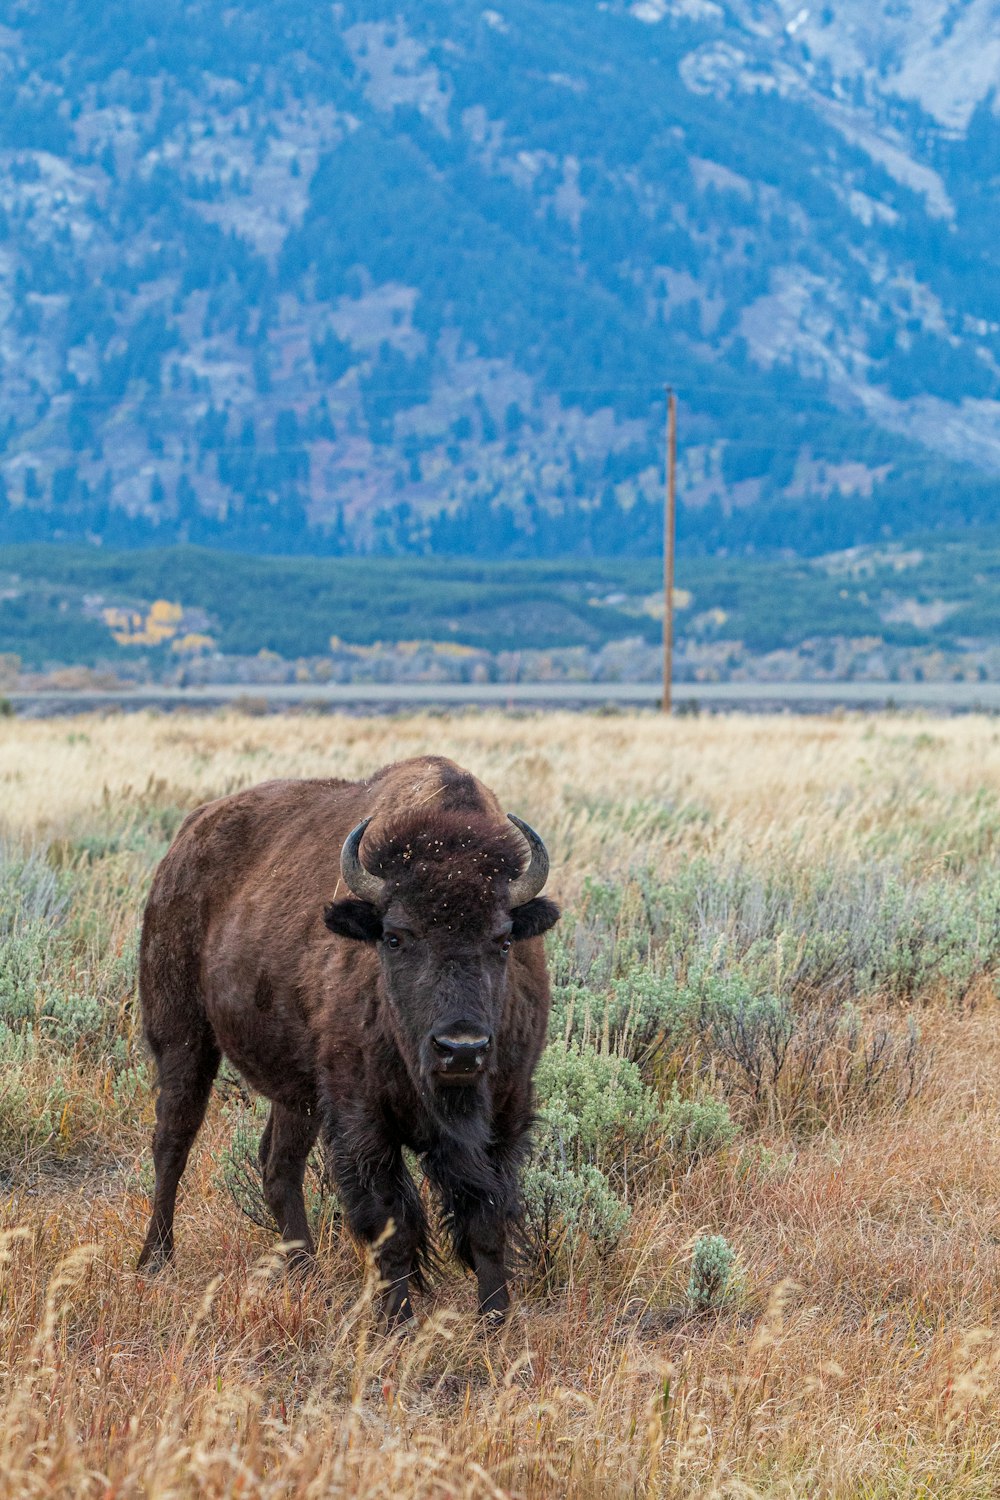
x: 462, y: 1052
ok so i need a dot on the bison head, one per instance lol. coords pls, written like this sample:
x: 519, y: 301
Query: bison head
x: 445, y: 900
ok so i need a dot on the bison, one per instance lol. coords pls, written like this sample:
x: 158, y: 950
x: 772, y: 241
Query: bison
x: 408, y: 1013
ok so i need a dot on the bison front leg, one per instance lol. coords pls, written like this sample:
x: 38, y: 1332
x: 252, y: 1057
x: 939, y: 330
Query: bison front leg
x: 486, y: 1238
x: 478, y: 1209
x: 479, y: 1227
x: 383, y: 1209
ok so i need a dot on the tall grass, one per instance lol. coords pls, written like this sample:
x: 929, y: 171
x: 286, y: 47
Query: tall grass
x: 773, y: 1055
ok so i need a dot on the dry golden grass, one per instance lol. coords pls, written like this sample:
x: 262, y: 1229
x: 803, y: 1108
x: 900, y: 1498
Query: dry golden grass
x: 861, y: 1359
x: 765, y: 783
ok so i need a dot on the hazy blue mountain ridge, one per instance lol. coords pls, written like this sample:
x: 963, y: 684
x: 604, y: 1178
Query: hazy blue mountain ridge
x: 411, y: 278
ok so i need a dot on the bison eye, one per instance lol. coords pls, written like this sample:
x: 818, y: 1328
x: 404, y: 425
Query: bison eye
x: 505, y: 946
x: 391, y: 940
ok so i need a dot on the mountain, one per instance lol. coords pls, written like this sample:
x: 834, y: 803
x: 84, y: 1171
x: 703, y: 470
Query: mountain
x: 407, y: 277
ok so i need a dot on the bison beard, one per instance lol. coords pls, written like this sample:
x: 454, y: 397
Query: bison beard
x: 409, y: 1013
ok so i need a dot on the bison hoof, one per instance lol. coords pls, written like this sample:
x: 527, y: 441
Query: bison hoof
x: 153, y: 1260
x: 300, y: 1259
x: 398, y: 1318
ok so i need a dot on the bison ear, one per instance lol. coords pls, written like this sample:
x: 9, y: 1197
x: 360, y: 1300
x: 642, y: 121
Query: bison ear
x: 354, y: 919
x: 533, y: 918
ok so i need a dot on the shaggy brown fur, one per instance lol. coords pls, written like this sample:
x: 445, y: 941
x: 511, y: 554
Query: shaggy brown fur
x: 425, y: 857
x: 340, y: 1014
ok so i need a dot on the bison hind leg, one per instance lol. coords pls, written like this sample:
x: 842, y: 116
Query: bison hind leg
x: 186, y: 1070
x: 264, y: 1149
x: 284, y: 1149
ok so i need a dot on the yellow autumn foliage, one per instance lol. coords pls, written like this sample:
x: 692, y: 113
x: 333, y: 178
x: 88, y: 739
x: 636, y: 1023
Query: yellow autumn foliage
x: 131, y: 628
x: 191, y: 643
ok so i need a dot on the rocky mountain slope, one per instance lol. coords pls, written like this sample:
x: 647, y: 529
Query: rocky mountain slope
x: 411, y: 277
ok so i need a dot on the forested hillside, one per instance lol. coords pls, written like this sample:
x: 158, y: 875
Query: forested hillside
x: 928, y: 610
x: 400, y: 277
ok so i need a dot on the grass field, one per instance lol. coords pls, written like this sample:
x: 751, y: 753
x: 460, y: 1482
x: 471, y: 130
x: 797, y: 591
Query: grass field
x: 775, y: 1022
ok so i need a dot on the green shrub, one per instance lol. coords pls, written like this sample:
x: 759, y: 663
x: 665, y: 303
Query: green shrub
x: 594, y: 1100
x: 831, y: 932
x: 31, y: 1117
x: 67, y: 972
x: 696, y: 1127
x: 30, y: 890
x: 642, y: 1012
x: 753, y: 1033
x: 714, y: 1278
x: 815, y: 1063
x: 131, y: 1084
x: 562, y: 1203
x: 592, y: 1106
x: 757, y: 973
x: 23, y: 957
x: 71, y: 1018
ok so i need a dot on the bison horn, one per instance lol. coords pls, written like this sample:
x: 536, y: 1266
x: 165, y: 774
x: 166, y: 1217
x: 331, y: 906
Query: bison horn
x: 362, y: 882
x: 530, y: 881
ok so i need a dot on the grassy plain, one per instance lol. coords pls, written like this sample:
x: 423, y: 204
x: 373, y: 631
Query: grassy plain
x: 792, y: 922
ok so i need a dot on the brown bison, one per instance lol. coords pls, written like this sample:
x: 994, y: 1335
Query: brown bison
x: 409, y: 1013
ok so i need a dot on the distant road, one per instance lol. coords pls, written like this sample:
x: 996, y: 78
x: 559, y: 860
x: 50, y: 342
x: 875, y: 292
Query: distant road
x: 385, y: 697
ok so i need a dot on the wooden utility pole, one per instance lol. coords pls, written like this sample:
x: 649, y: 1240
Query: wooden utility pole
x: 669, y: 530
